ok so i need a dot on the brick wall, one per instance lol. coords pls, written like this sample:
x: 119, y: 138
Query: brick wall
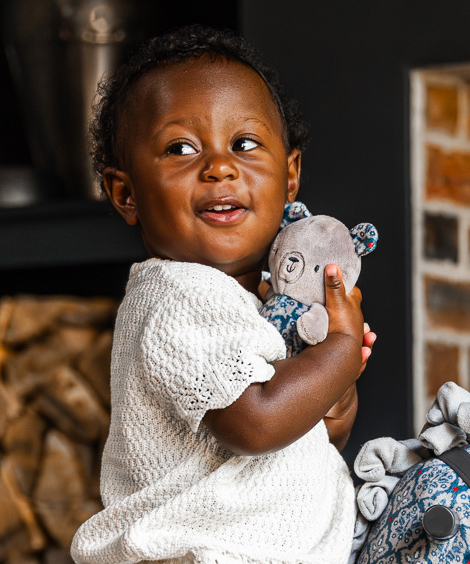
x: 440, y: 181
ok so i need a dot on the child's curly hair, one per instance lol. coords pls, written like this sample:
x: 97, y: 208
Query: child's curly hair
x: 174, y: 47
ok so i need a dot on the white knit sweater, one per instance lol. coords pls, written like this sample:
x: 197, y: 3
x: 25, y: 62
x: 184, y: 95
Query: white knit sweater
x: 189, y: 338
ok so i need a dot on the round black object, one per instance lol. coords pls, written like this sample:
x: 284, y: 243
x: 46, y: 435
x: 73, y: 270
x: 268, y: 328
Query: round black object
x: 440, y: 522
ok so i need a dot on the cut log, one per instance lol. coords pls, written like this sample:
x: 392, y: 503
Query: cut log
x: 94, y: 364
x: 10, y: 407
x: 90, y: 312
x: 23, y: 444
x: 15, y: 548
x: 54, y: 555
x: 33, y: 316
x: 69, y: 402
x: 10, y: 516
x: 26, y: 370
x: 61, y: 493
x: 19, y: 509
x: 29, y: 318
x: 17, y: 555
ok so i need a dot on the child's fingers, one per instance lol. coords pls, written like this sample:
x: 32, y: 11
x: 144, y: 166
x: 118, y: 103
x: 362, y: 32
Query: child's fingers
x: 355, y: 293
x: 369, y: 339
x: 344, y: 311
x: 367, y: 344
x: 366, y: 352
x: 333, y: 276
x: 334, y: 286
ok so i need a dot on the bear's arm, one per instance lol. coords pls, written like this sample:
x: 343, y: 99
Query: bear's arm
x: 312, y: 326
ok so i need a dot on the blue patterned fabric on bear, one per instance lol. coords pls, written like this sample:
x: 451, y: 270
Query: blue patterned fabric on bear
x: 365, y: 238
x: 399, y: 537
x: 282, y: 312
x: 293, y: 212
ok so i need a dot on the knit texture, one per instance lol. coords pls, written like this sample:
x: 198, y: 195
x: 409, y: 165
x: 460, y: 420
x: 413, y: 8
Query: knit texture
x: 188, y: 339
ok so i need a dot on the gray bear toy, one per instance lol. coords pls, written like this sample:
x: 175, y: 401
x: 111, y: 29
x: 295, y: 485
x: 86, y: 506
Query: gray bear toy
x: 297, y: 261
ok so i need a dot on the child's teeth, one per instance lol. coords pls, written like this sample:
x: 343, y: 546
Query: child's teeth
x: 221, y: 208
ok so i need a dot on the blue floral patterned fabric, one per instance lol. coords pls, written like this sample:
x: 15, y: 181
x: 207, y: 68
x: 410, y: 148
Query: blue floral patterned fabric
x: 398, y: 537
x: 283, y: 312
x: 293, y: 212
x: 365, y: 238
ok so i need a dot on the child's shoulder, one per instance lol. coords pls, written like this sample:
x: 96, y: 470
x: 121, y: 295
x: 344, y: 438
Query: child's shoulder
x: 160, y: 290
x: 167, y: 276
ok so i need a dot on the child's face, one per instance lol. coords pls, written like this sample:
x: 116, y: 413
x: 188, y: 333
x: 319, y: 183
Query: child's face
x: 205, y: 171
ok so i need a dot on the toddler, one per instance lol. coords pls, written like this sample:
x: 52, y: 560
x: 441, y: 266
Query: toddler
x: 220, y: 449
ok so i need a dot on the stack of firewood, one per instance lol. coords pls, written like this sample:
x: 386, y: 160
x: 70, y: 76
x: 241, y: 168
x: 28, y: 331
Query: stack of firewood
x: 54, y: 419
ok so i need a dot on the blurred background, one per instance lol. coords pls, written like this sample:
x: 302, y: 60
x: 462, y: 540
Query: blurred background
x: 385, y: 89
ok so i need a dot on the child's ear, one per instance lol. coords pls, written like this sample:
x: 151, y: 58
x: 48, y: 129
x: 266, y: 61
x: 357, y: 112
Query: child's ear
x: 119, y: 188
x: 293, y: 175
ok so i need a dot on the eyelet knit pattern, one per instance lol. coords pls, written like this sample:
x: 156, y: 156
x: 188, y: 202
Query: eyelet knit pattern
x: 188, y: 339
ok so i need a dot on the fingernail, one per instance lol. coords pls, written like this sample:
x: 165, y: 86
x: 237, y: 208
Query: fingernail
x: 331, y: 270
x: 366, y: 328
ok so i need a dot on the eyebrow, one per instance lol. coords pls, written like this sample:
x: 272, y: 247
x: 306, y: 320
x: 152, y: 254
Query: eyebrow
x: 183, y: 122
x: 196, y: 120
x: 260, y: 121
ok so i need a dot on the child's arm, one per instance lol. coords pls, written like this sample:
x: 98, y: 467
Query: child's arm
x: 269, y: 416
x: 340, y: 419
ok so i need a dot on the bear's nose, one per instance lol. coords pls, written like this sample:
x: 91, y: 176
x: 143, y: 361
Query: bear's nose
x: 291, y: 266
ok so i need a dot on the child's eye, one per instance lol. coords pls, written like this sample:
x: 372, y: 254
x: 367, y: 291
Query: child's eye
x: 244, y: 144
x: 181, y: 149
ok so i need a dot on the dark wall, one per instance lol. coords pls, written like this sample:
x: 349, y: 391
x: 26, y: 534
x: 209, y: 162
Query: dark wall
x: 72, y: 247
x: 348, y: 64
x: 152, y: 18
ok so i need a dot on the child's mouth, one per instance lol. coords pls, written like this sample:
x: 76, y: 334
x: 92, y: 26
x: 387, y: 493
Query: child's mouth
x: 223, y: 213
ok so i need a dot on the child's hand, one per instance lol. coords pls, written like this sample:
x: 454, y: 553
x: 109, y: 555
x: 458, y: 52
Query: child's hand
x: 340, y: 418
x: 345, y: 317
x: 367, y: 344
x: 344, y: 311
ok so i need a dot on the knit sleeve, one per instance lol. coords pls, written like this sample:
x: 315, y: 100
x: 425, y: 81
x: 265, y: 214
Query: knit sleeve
x: 204, y: 344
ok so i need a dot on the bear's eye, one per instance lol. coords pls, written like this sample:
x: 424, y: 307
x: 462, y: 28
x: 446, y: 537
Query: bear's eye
x: 317, y: 268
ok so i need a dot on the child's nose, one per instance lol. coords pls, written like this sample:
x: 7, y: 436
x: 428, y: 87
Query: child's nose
x: 219, y: 167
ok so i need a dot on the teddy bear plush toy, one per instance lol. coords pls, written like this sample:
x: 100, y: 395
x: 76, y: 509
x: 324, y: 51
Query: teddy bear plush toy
x: 304, y: 246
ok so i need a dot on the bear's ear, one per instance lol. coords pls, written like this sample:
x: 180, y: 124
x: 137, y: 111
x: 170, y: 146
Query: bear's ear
x: 293, y: 212
x: 365, y: 238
